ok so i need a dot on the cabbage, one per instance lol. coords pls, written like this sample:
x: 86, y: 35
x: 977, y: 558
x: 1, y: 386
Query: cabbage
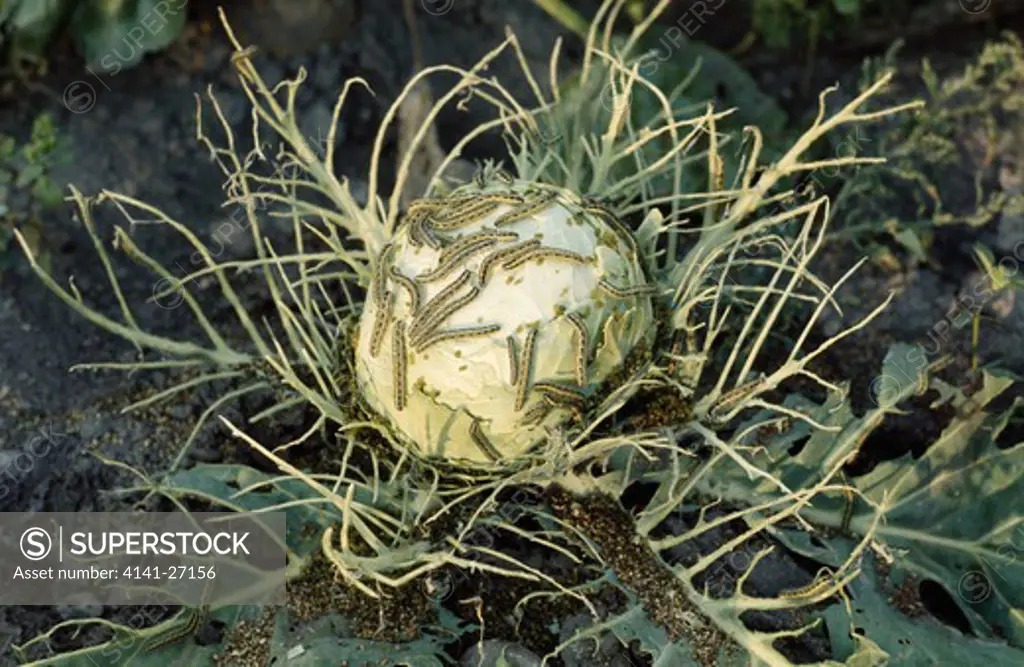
x: 495, y: 313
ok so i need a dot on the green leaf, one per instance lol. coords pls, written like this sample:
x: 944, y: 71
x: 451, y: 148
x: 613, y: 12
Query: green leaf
x: 635, y: 625
x: 142, y: 648
x: 995, y: 271
x: 955, y: 516
x: 847, y: 7
x: 44, y: 136
x: 776, y: 20
x: 32, y: 24
x: 47, y: 193
x: 909, y: 642
x: 115, y: 34
x: 327, y: 641
x: 720, y: 78
x: 28, y: 175
x: 220, y: 483
x: 7, y: 147
x: 911, y: 242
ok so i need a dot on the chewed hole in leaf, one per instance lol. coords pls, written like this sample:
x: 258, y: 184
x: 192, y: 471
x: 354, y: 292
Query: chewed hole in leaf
x: 942, y: 605
x: 798, y: 445
x: 638, y: 495
x: 912, y: 432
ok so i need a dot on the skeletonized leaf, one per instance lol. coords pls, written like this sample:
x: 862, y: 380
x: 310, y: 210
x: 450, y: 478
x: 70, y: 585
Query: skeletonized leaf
x: 956, y: 515
x: 908, y: 641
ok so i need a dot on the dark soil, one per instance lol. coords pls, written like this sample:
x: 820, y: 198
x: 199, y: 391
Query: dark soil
x: 135, y: 133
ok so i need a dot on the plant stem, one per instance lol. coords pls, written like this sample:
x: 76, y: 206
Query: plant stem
x: 566, y: 15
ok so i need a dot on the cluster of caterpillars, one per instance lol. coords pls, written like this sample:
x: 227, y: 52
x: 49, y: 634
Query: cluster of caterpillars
x: 428, y: 220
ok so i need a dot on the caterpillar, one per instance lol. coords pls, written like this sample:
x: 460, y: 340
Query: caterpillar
x: 582, y: 347
x: 504, y: 177
x: 197, y: 617
x: 381, y: 323
x: 431, y: 306
x: 561, y: 392
x: 420, y: 233
x: 858, y: 443
x: 851, y: 500
x: 526, y: 209
x: 452, y: 334
x: 443, y: 312
x: 507, y: 253
x: 733, y: 396
x: 476, y: 434
x: 594, y: 207
x: 537, y: 190
x: 398, y: 362
x: 540, y: 253
x: 926, y: 373
x: 412, y: 220
x: 513, y: 361
x: 565, y: 398
x: 813, y: 589
x: 474, y: 238
x: 764, y: 432
x: 434, y: 203
x: 461, y: 216
x: 454, y: 261
x: 593, y: 204
x: 380, y: 274
x: 628, y: 292
x: 410, y: 286
x: 525, y: 365
x: 539, y: 411
x: 509, y: 198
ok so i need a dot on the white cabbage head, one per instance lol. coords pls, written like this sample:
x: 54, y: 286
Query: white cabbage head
x: 495, y: 312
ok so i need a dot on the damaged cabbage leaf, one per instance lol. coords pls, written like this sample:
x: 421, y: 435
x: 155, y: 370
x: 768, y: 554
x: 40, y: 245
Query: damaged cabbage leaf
x: 954, y: 516
x: 166, y: 643
x: 28, y: 26
x: 115, y: 34
x: 907, y: 640
x: 221, y: 483
x: 328, y: 640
